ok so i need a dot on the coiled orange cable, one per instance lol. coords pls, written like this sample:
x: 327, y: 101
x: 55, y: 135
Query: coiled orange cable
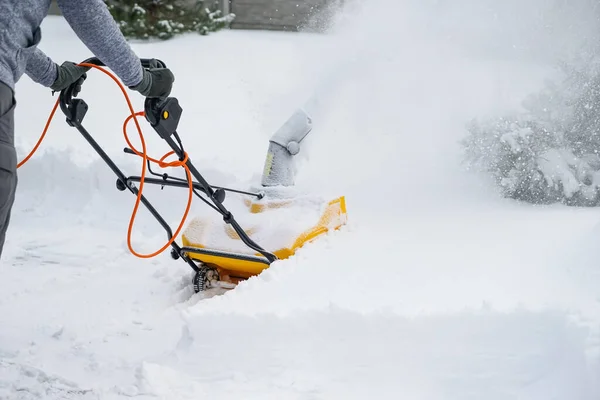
x: 161, y: 163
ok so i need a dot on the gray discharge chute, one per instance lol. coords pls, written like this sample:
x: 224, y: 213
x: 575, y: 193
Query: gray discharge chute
x: 283, y: 146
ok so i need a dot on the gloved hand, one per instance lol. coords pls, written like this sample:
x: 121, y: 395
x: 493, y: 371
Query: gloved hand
x: 68, y: 73
x: 156, y: 82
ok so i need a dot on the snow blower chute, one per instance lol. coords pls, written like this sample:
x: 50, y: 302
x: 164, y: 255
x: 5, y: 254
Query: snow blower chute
x: 217, y: 247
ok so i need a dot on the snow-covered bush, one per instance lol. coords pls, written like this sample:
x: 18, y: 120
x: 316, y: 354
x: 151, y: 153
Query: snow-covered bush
x: 163, y: 19
x: 551, y: 152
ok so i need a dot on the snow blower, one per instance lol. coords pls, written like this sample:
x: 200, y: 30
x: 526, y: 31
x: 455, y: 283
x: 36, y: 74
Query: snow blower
x: 216, y: 247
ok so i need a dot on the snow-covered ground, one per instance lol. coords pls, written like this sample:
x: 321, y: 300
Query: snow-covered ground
x: 436, y: 288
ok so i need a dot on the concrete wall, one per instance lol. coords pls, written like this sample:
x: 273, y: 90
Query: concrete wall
x: 285, y: 15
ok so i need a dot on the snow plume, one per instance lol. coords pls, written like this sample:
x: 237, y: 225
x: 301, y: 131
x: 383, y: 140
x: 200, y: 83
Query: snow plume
x: 398, y: 81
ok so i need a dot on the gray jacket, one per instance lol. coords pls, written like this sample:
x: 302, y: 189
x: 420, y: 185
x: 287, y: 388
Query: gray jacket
x: 20, y: 35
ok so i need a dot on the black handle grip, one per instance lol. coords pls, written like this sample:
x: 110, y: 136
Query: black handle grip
x: 67, y: 94
x: 153, y: 63
x: 146, y: 62
x: 93, y: 60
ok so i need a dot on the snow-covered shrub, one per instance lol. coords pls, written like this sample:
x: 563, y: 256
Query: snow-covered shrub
x: 549, y: 153
x: 163, y: 19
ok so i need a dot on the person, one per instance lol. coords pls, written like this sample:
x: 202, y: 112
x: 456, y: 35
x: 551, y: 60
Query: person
x: 19, y: 54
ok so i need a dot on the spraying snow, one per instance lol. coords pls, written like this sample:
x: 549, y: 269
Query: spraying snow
x: 436, y: 289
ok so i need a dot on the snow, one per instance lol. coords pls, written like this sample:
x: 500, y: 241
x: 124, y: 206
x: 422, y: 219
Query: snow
x: 436, y: 288
x: 556, y: 166
x: 268, y: 228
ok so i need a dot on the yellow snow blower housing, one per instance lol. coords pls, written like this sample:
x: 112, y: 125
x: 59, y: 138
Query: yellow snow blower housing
x: 280, y: 219
x: 281, y: 226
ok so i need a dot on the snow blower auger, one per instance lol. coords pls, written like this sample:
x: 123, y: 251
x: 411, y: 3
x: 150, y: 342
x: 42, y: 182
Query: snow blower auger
x: 219, y: 250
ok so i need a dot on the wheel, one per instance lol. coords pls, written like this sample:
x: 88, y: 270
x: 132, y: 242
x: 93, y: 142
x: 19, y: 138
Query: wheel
x: 206, y: 278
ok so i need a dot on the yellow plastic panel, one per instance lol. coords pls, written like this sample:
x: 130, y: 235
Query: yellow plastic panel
x: 333, y: 217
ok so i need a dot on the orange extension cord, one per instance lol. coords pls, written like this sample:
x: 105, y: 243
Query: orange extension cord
x: 161, y: 163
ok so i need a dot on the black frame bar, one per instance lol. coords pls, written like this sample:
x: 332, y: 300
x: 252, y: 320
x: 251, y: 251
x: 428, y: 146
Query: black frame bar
x: 163, y: 114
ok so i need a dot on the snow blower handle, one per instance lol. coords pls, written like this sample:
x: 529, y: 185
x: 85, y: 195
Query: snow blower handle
x: 146, y: 62
x: 67, y: 94
x: 73, y: 90
x: 152, y: 63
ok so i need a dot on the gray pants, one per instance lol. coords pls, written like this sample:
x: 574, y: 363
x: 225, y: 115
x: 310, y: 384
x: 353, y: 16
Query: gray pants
x: 8, y: 159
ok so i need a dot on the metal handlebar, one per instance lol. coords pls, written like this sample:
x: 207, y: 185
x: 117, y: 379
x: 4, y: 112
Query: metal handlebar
x: 146, y: 62
x: 67, y: 94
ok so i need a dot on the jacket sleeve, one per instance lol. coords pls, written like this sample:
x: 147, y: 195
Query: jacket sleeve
x: 92, y: 23
x: 41, y: 69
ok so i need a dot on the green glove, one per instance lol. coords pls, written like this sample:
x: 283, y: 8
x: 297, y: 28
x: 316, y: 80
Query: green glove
x: 68, y: 73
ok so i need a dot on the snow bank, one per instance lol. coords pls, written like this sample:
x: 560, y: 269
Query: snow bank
x: 344, y: 354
